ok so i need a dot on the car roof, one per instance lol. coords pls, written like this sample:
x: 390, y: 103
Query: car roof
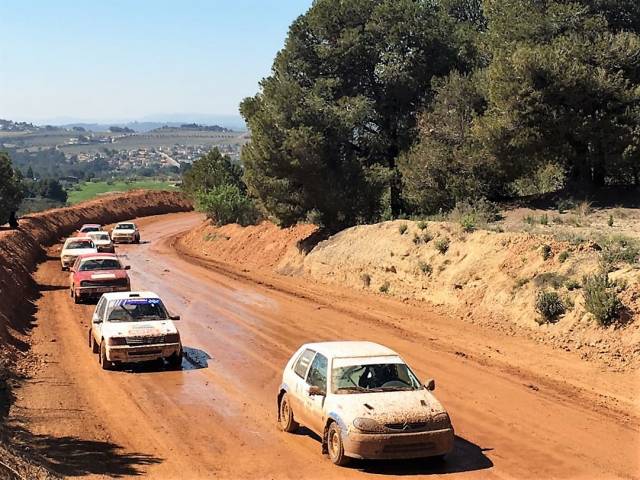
x: 128, y: 221
x: 350, y: 349
x: 91, y: 225
x: 96, y: 232
x: 85, y: 256
x: 74, y: 239
x: 125, y: 295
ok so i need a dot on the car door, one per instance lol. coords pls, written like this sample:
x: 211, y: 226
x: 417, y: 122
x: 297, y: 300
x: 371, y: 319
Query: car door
x: 299, y: 389
x: 314, y: 404
x: 98, y: 319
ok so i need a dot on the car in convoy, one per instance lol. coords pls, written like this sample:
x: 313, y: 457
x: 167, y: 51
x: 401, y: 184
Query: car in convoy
x: 131, y: 327
x: 87, y: 228
x: 363, y: 401
x: 125, y: 232
x: 73, y: 247
x: 96, y: 273
x: 103, y: 241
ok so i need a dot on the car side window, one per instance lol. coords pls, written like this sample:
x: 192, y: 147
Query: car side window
x: 317, y: 376
x: 302, y: 364
x: 100, y: 309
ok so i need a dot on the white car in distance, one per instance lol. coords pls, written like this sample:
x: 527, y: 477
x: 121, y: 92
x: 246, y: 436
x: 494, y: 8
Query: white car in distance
x: 125, y: 232
x: 73, y: 247
x: 364, y: 401
x: 102, y: 241
x: 130, y: 327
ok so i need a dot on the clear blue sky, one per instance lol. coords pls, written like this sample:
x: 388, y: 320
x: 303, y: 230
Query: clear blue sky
x: 131, y: 59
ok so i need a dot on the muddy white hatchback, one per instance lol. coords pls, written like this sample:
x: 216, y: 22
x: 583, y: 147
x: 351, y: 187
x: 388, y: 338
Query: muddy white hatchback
x: 131, y: 327
x: 364, y: 401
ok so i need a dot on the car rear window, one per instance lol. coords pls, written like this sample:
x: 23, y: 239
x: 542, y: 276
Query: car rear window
x: 302, y: 364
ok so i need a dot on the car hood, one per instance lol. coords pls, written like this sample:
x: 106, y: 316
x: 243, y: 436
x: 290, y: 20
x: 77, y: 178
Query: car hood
x: 101, y: 275
x: 388, y: 407
x: 78, y: 251
x: 138, y: 329
x: 102, y: 242
x: 124, y: 231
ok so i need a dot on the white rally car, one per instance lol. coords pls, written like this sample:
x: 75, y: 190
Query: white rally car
x: 364, y: 401
x: 125, y: 232
x: 103, y: 241
x: 130, y: 327
x: 74, y: 247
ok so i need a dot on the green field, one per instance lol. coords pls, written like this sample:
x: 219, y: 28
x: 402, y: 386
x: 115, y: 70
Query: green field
x: 90, y: 190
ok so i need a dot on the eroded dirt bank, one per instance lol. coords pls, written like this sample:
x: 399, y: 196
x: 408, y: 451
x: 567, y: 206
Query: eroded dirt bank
x: 520, y: 409
x: 22, y: 249
x: 485, y: 277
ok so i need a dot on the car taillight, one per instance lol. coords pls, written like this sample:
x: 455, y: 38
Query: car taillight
x: 172, y: 338
x: 117, y: 341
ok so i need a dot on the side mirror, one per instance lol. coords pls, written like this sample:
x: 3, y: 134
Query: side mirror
x: 174, y: 317
x: 127, y: 267
x: 430, y: 385
x: 314, y: 390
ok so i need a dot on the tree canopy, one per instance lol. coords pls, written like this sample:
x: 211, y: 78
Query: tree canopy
x: 11, y: 192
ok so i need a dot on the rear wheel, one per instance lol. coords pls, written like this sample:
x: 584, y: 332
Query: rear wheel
x: 287, y: 422
x: 92, y: 343
x: 76, y: 298
x: 335, y: 447
x: 104, y: 363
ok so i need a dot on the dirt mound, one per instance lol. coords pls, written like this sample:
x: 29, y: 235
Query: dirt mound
x: 20, y: 251
x: 263, y: 246
x: 486, y: 277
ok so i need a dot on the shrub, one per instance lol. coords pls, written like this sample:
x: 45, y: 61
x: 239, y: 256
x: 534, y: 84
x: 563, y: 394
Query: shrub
x: 572, y: 284
x: 427, y: 237
x: 564, y: 205
x: 472, y: 213
x: 563, y: 256
x: 546, y: 252
x: 550, y: 279
x: 610, y: 221
x: 529, y: 219
x: 619, y: 249
x: 226, y: 204
x: 402, y: 228
x: 384, y: 288
x: 442, y: 245
x: 417, y: 239
x: 425, y: 267
x: 422, y: 225
x: 549, y: 305
x: 583, y: 209
x: 600, y: 298
x: 366, y: 280
x: 468, y: 223
x: 544, y: 219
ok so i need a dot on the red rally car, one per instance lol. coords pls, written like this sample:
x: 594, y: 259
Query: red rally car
x: 96, y: 273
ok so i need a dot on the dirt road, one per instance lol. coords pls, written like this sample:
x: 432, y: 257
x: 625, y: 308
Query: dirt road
x: 520, y: 410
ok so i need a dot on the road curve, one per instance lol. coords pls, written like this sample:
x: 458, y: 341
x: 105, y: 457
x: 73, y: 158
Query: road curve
x: 216, y: 417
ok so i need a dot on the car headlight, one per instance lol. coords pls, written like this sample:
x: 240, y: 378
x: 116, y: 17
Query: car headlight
x: 117, y: 341
x: 441, y: 421
x: 368, y: 425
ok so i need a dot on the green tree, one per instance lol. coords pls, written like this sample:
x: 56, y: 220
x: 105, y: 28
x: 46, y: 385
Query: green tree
x: 226, y: 203
x: 11, y: 191
x: 210, y: 171
x: 340, y: 106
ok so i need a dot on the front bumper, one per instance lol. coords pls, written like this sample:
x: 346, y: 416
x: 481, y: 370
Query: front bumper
x: 398, y: 445
x: 124, y: 239
x: 96, y: 292
x: 131, y: 354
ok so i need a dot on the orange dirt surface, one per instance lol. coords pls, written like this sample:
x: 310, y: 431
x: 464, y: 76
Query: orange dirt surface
x: 520, y: 409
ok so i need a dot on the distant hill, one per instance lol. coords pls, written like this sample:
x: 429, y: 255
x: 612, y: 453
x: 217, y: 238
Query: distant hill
x: 193, y: 127
x: 143, y: 127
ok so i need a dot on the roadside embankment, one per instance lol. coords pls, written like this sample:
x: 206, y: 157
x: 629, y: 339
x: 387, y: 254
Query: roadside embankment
x: 21, y: 250
x: 484, y: 277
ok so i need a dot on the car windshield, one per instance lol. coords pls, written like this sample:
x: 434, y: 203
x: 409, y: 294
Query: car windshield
x: 379, y: 377
x: 100, y: 264
x: 100, y: 236
x: 137, y: 310
x: 79, y: 244
x: 125, y: 226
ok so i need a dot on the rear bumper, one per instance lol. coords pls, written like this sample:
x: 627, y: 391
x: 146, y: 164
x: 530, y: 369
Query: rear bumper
x: 104, y: 249
x: 96, y: 292
x: 128, y: 354
x: 398, y: 445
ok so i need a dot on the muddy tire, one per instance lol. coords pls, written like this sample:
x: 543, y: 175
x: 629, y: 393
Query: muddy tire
x: 92, y: 343
x: 335, y: 447
x: 175, y: 361
x: 104, y: 363
x: 286, y: 421
x: 76, y: 298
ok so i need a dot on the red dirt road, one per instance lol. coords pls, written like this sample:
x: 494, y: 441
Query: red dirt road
x: 520, y: 409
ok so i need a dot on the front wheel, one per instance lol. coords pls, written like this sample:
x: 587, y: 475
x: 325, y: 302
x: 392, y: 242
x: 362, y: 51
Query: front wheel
x: 335, y: 447
x: 286, y: 421
x: 104, y: 363
x: 175, y: 360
